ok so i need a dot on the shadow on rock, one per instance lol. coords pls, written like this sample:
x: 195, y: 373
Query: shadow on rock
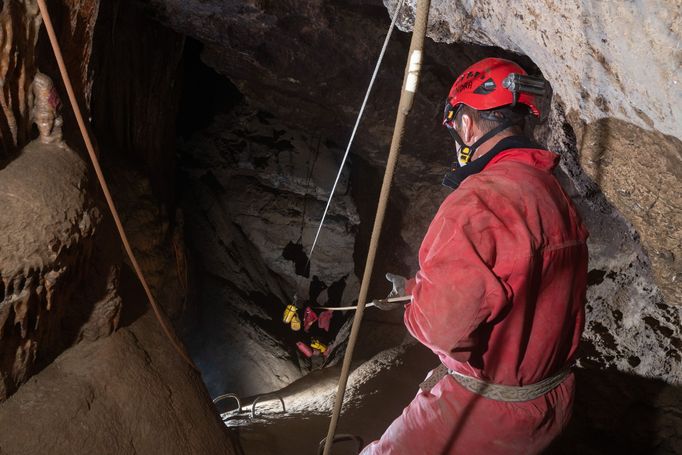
x: 617, y: 413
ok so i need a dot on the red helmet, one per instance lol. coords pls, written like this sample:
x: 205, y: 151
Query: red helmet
x: 486, y: 85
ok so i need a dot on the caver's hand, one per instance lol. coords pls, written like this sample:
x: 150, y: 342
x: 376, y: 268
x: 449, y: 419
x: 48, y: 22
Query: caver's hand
x: 398, y: 285
x: 397, y: 291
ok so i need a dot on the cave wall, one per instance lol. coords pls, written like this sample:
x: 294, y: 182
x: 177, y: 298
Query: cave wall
x: 51, y: 221
x: 614, y: 119
x: 620, y: 92
x: 140, y: 61
x: 604, y: 59
x: 79, y: 350
x: 254, y: 193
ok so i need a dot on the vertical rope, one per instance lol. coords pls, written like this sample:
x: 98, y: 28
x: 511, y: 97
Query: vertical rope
x: 105, y: 188
x: 406, y: 99
x: 355, y: 128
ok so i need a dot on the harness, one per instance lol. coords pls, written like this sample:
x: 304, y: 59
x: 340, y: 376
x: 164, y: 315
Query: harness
x: 498, y: 392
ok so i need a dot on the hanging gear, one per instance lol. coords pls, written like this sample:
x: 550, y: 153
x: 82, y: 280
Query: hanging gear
x: 325, y: 319
x: 290, y: 316
x: 318, y: 345
x: 305, y: 349
x: 289, y: 313
x: 309, y: 318
x: 295, y: 323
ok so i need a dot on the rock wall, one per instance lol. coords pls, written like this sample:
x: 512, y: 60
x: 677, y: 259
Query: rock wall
x: 139, y: 61
x: 309, y: 63
x: 604, y: 59
x: 254, y: 193
x: 129, y: 393
x: 19, y: 23
x: 610, y: 84
x: 640, y: 172
x: 64, y: 284
x: 48, y: 225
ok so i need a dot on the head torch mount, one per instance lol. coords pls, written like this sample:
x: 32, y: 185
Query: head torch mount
x: 535, y: 85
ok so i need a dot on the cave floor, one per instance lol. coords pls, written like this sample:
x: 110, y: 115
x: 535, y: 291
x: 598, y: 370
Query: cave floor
x: 613, y: 411
x: 377, y: 392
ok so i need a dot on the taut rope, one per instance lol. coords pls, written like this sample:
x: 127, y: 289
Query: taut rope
x: 406, y: 98
x: 105, y: 188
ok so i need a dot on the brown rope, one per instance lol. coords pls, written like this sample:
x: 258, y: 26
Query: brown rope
x: 105, y: 188
x: 406, y: 98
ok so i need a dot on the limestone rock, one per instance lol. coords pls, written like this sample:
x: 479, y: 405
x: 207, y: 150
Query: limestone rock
x: 129, y: 393
x: 604, y: 59
x: 640, y: 172
x: 48, y: 235
x: 255, y: 194
x: 275, y: 183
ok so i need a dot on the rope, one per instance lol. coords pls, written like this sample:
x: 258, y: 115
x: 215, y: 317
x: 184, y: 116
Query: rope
x: 406, y: 98
x: 341, y: 308
x: 405, y: 298
x: 105, y: 188
x: 355, y: 128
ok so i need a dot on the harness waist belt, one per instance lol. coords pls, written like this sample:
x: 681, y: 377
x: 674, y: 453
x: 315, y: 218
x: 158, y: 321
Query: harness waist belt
x: 497, y: 392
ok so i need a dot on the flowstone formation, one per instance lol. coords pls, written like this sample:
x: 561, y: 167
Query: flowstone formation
x: 77, y: 350
x: 45, y: 112
x: 48, y: 227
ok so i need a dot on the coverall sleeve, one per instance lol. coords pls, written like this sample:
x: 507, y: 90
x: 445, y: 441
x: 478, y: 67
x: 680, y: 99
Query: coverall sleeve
x: 456, y: 291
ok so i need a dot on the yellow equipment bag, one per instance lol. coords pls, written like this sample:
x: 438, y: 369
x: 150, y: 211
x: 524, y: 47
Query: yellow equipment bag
x: 295, y: 323
x: 289, y: 313
x: 316, y: 344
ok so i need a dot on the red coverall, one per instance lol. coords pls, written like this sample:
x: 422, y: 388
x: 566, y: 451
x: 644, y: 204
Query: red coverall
x: 499, y: 296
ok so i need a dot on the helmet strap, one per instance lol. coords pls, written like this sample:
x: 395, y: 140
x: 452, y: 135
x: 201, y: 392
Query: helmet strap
x: 467, y: 151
